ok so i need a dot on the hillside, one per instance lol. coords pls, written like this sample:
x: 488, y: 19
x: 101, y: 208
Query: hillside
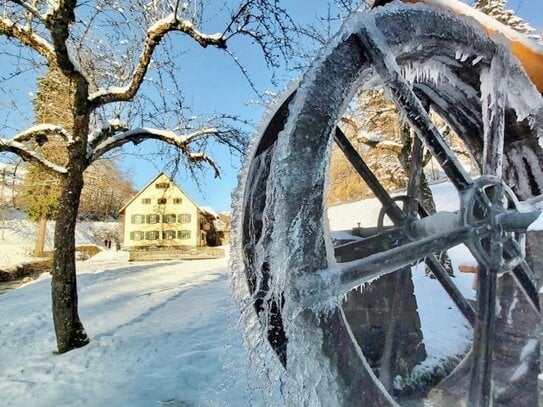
x: 17, y: 238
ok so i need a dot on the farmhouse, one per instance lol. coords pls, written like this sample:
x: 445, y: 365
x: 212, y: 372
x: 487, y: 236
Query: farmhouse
x: 162, y: 215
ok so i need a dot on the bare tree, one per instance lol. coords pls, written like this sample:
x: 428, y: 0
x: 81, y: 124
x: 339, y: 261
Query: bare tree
x: 106, y: 49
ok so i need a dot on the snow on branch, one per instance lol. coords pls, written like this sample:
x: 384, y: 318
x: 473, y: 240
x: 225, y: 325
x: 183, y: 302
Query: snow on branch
x: 27, y: 37
x: 201, y: 157
x: 104, y: 133
x: 155, y: 34
x: 30, y: 156
x: 379, y: 143
x: 136, y: 136
x: 40, y: 133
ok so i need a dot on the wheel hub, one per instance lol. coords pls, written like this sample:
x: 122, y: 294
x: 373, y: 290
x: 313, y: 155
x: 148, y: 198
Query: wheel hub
x: 491, y: 208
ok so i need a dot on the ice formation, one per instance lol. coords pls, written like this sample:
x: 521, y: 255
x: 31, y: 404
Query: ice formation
x: 290, y: 174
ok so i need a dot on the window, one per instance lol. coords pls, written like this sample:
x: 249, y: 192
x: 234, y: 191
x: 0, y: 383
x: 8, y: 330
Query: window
x: 162, y: 185
x: 162, y: 201
x: 153, y: 235
x: 177, y: 200
x: 137, y: 219
x: 153, y: 218
x: 184, y: 218
x: 137, y: 235
x: 169, y: 218
x: 168, y: 234
x: 183, y: 234
x: 146, y: 201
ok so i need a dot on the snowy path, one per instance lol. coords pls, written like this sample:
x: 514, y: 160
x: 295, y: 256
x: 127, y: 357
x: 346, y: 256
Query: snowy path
x: 162, y: 334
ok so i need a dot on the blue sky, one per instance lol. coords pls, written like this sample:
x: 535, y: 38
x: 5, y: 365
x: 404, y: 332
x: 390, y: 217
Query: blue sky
x: 215, y: 84
x: 212, y: 84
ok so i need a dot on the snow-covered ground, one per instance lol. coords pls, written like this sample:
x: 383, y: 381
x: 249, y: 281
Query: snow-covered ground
x: 17, y: 237
x: 162, y: 334
x: 165, y: 333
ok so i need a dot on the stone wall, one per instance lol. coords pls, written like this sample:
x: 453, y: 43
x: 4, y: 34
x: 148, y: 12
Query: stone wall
x: 387, y: 305
x: 175, y: 253
x: 369, y: 313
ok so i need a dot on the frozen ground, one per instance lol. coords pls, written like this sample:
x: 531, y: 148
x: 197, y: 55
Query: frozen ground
x: 164, y: 333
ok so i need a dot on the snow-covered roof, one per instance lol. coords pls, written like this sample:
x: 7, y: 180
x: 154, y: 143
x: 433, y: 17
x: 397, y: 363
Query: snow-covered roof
x: 205, y: 209
x: 209, y: 210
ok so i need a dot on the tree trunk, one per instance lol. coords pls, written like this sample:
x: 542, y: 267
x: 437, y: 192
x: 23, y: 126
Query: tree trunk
x: 68, y: 327
x: 40, y: 237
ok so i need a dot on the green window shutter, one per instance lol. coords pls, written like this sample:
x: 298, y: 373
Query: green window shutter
x: 148, y: 219
x: 132, y: 234
x: 133, y: 219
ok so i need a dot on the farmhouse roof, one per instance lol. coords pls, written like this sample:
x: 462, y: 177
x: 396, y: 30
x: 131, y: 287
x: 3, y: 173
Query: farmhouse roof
x: 151, y: 183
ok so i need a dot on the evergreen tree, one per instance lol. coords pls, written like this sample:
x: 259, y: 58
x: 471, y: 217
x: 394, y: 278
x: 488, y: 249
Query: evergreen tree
x: 497, y: 9
x: 41, y: 190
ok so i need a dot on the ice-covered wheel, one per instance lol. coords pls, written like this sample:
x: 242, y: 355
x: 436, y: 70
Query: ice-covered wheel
x: 283, y: 249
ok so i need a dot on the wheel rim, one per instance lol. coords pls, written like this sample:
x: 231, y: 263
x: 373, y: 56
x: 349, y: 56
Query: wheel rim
x: 289, y: 158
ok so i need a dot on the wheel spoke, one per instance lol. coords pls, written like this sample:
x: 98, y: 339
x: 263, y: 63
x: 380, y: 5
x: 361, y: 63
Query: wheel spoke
x: 388, y: 360
x: 452, y: 290
x: 376, y: 49
x: 523, y: 274
x: 415, y: 178
x: 393, y: 210
x: 377, y: 243
x: 480, y: 390
x: 360, y: 250
x: 318, y: 288
x: 483, y: 337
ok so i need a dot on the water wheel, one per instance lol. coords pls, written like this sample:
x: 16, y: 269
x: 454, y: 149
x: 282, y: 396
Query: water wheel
x: 284, y: 253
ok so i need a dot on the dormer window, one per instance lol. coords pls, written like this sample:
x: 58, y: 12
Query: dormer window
x: 162, y: 201
x: 146, y: 201
x: 177, y: 200
x: 162, y: 185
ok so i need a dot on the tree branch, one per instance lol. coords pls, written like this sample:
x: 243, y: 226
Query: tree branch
x: 58, y: 22
x: 40, y: 132
x: 136, y: 136
x: 374, y: 142
x: 103, y: 133
x: 30, y: 8
x: 155, y: 34
x: 31, y: 156
x: 28, y: 38
x: 201, y: 157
